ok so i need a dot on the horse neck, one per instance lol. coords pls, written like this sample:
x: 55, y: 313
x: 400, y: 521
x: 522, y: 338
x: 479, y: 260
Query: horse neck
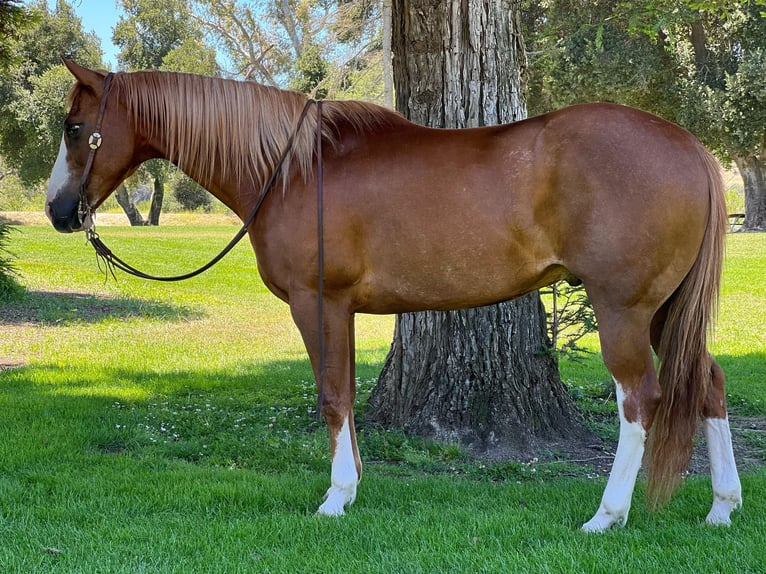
x: 225, y: 135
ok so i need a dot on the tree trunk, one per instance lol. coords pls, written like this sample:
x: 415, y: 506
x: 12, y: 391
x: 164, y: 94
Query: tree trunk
x: 157, y: 197
x: 484, y: 377
x: 125, y: 201
x: 753, y: 170
x: 388, y: 78
x: 698, y: 39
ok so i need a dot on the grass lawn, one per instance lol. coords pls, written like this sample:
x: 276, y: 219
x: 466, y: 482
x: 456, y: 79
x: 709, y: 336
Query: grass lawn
x: 158, y: 428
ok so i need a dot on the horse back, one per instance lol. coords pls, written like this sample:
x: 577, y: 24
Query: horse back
x: 421, y: 218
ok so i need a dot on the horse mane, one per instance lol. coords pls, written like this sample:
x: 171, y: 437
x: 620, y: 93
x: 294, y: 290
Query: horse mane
x: 242, y: 127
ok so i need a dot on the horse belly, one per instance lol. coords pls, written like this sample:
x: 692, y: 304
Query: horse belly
x: 452, y: 228
x: 450, y: 271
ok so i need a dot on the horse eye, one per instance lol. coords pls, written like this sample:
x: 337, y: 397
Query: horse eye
x: 72, y: 130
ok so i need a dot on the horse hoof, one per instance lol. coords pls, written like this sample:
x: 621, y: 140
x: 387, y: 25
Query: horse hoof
x: 336, y: 500
x: 723, y: 506
x: 327, y: 510
x: 717, y: 520
x: 603, y: 521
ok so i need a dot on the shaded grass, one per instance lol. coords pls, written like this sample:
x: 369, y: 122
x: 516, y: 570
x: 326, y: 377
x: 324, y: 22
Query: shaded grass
x: 171, y: 428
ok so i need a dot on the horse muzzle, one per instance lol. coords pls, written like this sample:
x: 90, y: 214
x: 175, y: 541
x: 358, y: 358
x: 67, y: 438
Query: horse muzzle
x: 64, y: 214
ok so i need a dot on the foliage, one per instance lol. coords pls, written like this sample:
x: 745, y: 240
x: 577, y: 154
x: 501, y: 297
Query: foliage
x: 580, y: 51
x: 34, y: 120
x: 12, y: 18
x: 191, y: 56
x: 9, y: 286
x: 305, y: 45
x: 361, y: 79
x: 569, y: 316
x: 150, y: 30
x: 310, y: 70
x: 55, y: 34
x: 33, y: 94
x: 699, y: 64
x: 14, y: 196
x: 191, y: 195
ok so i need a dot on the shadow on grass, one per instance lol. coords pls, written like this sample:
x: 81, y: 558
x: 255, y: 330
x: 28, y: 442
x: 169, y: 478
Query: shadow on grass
x: 259, y: 416
x: 45, y: 307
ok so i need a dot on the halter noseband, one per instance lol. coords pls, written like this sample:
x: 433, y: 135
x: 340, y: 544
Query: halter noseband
x: 94, y: 142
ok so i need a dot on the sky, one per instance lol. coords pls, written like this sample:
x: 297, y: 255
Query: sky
x: 98, y: 16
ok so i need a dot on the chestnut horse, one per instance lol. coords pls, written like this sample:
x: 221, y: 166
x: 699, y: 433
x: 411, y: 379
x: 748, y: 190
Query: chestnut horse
x: 418, y: 218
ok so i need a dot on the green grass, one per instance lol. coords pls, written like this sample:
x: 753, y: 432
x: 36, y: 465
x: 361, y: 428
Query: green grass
x: 171, y: 428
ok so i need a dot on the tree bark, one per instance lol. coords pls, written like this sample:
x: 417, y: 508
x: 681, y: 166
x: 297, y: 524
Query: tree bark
x: 483, y: 377
x: 157, y: 197
x: 125, y: 201
x: 698, y: 39
x: 388, y: 74
x: 753, y: 171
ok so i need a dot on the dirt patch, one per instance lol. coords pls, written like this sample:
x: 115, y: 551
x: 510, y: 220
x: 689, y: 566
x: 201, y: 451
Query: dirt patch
x: 748, y: 436
x: 748, y: 442
x: 7, y: 364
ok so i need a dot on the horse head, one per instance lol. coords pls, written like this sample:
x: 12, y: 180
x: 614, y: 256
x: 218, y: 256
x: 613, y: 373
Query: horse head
x: 81, y: 178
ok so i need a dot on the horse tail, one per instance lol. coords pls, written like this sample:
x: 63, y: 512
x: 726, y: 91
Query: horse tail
x: 685, y: 365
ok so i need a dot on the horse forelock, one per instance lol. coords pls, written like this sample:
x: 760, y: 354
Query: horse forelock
x: 239, y: 127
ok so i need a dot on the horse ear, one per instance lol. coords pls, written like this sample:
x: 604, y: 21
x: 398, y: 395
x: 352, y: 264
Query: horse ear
x: 94, y: 79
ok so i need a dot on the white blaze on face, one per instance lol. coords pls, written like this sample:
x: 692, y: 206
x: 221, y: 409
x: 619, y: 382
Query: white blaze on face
x: 343, y: 477
x: 59, y: 177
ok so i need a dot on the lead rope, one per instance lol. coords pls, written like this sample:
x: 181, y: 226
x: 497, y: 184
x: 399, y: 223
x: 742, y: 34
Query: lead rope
x: 112, y: 261
x: 320, y: 263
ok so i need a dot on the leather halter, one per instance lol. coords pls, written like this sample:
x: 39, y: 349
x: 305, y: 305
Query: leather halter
x: 94, y: 142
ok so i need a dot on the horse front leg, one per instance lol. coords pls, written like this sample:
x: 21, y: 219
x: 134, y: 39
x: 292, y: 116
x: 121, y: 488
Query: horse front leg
x: 338, y: 392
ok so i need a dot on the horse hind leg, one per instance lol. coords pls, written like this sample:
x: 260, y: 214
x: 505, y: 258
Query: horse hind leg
x: 727, y: 490
x: 626, y: 351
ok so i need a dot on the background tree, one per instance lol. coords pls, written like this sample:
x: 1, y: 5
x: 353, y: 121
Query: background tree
x: 326, y: 48
x: 149, y: 30
x: 11, y: 20
x: 484, y: 377
x: 12, y: 17
x: 699, y: 64
x: 191, y: 195
x: 264, y: 41
x: 33, y: 90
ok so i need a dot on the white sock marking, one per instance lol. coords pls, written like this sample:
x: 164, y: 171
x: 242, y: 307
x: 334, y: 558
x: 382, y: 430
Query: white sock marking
x: 615, y: 503
x: 727, y: 491
x: 343, y: 476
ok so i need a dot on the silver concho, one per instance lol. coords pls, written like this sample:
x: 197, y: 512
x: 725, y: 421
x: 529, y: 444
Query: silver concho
x: 94, y: 141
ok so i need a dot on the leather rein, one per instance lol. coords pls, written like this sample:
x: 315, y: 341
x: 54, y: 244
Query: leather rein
x: 112, y: 261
